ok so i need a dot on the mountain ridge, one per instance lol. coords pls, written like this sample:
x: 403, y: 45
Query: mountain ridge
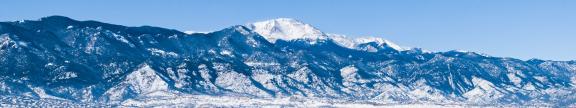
x: 87, y: 61
x: 291, y: 29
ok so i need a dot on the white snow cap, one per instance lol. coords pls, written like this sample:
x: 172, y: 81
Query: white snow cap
x: 286, y: 29
x: 192, y: 32
x: 290, y: 29
x: 352, y: 43
x: 379, y: 41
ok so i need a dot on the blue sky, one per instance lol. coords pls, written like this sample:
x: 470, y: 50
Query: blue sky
x: 522, y: 29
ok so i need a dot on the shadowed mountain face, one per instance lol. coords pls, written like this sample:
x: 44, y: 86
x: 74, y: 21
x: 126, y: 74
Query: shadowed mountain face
x: 88, y: 61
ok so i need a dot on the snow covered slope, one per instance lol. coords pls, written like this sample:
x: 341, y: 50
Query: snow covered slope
x: 291, y: 29
x: 286, y: 29
x: 64, y: 61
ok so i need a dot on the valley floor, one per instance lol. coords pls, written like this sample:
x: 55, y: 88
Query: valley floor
x: 223, y: 101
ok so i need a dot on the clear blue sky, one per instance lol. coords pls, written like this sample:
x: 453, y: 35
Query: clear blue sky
x: 522, y: 29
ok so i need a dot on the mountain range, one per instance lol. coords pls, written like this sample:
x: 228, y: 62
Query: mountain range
x: 57, y: 60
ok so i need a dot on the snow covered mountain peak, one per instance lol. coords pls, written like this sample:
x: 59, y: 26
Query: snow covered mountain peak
x: 290, y: 29
x: 356, y: 42
x: 286, y: 29
x: 380, y: 42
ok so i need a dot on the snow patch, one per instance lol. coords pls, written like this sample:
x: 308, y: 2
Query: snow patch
x: 234, y: 81
x: 122, y: 39
x: 226, y: 52
x: 23, y: 44
x: 42, y: 94
x: 158, y: 52
x: 145, y: 80
x: 67, y: 75
x: 541, y: 78
x: 193, y: 32
x: 348, y: 72
x: 261, y: 64
x: 483, y: 92
x: 515, y: 79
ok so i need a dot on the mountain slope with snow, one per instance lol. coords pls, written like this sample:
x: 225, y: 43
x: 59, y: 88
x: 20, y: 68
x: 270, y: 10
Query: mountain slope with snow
x: 286, y: 29
x: 290, y: 29
x: 64, y: 61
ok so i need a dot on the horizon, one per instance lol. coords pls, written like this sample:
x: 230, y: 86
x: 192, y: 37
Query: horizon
x: 516, y: 29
